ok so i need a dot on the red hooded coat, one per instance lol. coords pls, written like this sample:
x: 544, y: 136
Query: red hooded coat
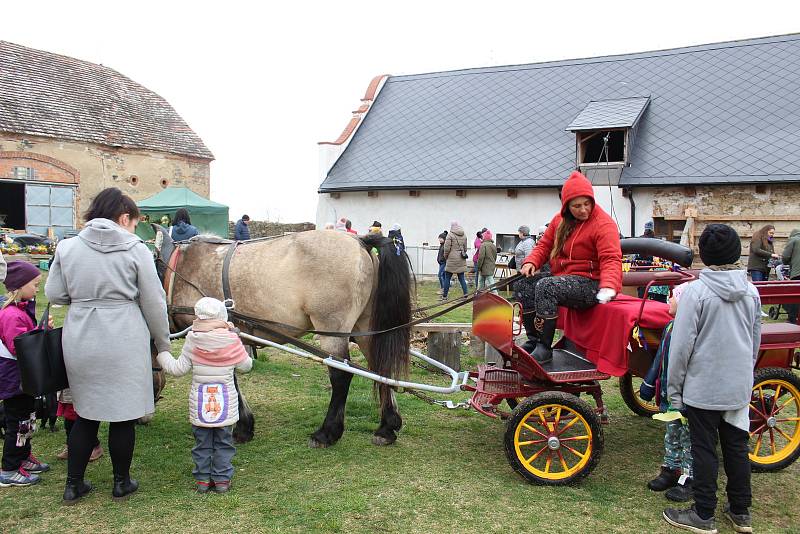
x: 591, y: 250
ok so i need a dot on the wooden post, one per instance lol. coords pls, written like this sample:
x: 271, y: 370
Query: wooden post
x: 476, y: 349
x: 492, y: 356
x: 445, y: 347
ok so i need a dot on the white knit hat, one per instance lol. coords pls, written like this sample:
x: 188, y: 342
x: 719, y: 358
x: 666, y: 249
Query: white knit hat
x: 210, y: 308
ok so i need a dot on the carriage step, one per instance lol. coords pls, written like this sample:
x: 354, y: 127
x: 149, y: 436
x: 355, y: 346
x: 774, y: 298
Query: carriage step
x: 495, y: 380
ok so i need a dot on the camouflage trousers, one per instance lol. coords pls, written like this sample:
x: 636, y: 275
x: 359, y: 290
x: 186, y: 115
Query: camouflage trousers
x: 678, y: 447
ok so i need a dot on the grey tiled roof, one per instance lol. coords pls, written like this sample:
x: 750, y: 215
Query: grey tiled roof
x: 618, y: 113
x: 51, y: 95
x: 718, y: 113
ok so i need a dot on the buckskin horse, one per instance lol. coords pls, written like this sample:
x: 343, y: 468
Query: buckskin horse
x: 310, y: 281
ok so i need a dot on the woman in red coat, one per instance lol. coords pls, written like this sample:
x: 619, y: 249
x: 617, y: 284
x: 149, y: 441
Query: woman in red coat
x: 581, y: 246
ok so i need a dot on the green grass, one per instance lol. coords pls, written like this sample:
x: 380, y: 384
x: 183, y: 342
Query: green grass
x: 446, y: 473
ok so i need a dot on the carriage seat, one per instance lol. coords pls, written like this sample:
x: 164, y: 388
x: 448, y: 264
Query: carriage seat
x: 779, y: 333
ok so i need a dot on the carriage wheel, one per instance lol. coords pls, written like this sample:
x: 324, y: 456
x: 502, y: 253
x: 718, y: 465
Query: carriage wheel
x: 774, y: 312
x: 774, y: 419
x: 629, y: 389
x: 553, y: 438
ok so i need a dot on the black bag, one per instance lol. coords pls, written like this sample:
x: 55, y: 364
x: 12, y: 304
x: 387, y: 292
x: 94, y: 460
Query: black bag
x: 41, y: 359
x: 464, y: 254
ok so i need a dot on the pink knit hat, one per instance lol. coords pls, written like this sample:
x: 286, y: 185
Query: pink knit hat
x: 487, y: 235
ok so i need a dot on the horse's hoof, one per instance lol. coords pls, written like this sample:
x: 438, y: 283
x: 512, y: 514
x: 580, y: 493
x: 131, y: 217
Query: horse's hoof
x: 382, y: 441
x: 316, y: 444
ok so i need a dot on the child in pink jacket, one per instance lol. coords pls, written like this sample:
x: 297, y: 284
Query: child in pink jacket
x: 19, y: 466
x: 212, y: 352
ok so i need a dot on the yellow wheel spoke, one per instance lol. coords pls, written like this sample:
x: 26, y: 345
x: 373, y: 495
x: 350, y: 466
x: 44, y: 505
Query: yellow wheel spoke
x: 772, y: 440
x: 788, y: 438
x: 530, y: 460
x: 531, y: 442
x: 758, y: 444
x: 568, y: 425
x: 574, y: 438
x: 535, y: 431
x: 557, y: 419
x: 788, y: 419
x: 777, y: 394
x: 547, y: 463
x: 782, y: 406
x: 563, y: 462
x: 576, y: 453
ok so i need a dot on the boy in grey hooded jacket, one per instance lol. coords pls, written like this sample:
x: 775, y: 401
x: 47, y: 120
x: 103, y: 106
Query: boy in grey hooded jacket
x: 715, y: 341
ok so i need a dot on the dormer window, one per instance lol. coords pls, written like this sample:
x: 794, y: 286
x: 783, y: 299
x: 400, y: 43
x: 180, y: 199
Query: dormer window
x: 605, y: 129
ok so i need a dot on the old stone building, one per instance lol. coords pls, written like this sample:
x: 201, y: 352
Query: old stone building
x: 707, y: 133
x: 70, y: 128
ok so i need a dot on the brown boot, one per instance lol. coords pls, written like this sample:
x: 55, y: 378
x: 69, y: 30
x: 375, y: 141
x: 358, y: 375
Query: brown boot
x: 64, y: 454
x: 97, y: 452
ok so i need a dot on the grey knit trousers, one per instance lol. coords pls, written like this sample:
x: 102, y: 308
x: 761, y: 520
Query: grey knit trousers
x: 213, y: 453
x: 543, y: 293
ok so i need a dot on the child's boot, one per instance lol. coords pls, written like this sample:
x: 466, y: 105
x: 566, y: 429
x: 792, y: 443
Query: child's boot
x: 33, y: 465
x: 665, y: 480
x: 97, y: 452
x: 202, y: 486
x: 20, y: 477
x: 222, y: 486
x: 124, y: 486
x: 683, y: 492
x: 74, y: 490
x: 64, y: 454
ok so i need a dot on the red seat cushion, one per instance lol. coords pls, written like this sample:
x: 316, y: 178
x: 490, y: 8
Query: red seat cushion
x: 780, y: 333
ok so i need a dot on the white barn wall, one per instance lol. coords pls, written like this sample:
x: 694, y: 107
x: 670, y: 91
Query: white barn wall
x: 423, y: 218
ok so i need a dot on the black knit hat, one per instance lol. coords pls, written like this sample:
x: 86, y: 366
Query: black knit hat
x: 720, y: 245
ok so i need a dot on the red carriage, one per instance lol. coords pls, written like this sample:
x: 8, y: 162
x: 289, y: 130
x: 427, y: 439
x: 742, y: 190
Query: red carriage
x: 555, y: 437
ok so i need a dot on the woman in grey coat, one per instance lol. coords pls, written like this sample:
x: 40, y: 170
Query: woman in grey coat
x: 116, y: 305
x: 455, y: 253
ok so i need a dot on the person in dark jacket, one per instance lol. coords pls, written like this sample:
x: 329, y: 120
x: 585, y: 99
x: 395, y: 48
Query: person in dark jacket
x: 242, y: 231
x: 761, y: 251
x: 441, y: 259
x: 791, y: 257
x: 182, y: 229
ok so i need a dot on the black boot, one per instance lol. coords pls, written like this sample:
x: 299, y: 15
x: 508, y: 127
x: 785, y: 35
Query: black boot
x: 124, y: 486
x: 74, y: 490
x: 530, y: 330
x: 543, y: 352
x: 666, y: 479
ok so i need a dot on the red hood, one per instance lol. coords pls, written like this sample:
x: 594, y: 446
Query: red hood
x: 577, y: 185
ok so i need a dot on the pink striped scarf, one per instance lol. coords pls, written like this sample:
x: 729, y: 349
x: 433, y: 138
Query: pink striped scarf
x: 218, y: 347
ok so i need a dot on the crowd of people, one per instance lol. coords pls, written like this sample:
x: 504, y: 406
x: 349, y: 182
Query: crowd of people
x: 107, y: 277
x: 117, y: 305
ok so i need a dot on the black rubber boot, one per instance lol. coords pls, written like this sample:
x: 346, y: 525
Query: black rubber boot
x: 666, y: 479
x: 530, y: 330
x: 74, y: 490
x: 124, y: 486
x: 543, y: 352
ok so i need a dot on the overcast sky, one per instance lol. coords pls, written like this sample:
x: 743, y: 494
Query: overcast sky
x: 262, y: 83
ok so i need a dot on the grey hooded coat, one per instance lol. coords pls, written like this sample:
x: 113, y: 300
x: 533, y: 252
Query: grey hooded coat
x: 116, y: 305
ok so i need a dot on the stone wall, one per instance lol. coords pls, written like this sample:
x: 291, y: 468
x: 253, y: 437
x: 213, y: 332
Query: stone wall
x: 268, y: 229
x: 744, y: 207
x: 139, y: 173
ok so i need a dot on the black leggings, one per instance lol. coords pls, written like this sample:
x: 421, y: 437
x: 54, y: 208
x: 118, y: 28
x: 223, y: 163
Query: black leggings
x: 68, y: 424
x: 543, y: 293
x: 83, y: 438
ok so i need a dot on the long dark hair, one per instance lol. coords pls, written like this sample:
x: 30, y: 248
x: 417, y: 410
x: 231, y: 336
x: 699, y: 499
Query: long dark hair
x: 761, y: 233
x: 181, y: 215
x: 111, y: 204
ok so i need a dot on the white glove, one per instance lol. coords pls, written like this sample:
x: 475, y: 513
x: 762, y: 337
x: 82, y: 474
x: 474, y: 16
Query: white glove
x: 605, y: 294
x: 164, y: 356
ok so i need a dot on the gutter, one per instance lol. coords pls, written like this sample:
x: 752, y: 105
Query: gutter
x: 628, y: 192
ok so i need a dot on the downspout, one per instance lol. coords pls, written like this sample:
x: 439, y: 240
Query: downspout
x: 628, y: 191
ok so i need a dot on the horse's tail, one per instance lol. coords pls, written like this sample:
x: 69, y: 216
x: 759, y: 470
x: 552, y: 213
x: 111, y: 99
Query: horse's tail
x: 391, y: 306
x: 245, y: 426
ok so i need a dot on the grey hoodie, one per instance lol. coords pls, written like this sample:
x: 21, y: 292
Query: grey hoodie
x: 715, y: 341
x: 116, y: 305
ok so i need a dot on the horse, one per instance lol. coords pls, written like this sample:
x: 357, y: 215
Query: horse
x: 316, y: 280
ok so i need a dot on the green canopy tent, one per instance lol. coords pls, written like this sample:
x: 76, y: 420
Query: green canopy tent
x: 208, y: 216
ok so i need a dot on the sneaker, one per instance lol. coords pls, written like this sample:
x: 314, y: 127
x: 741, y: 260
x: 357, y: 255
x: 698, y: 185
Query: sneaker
x: 741, y: 522
x: 683, y: 492
x: 687, y: 519
x: 202, y: 486
x: 222, y: 486
x: 33, y: 465
x: 97, y: 452
x: 666, y: 479
x: 20, y: 477
x: 64, y: 454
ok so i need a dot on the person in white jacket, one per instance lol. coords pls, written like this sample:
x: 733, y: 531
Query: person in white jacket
x: 213, y: 351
